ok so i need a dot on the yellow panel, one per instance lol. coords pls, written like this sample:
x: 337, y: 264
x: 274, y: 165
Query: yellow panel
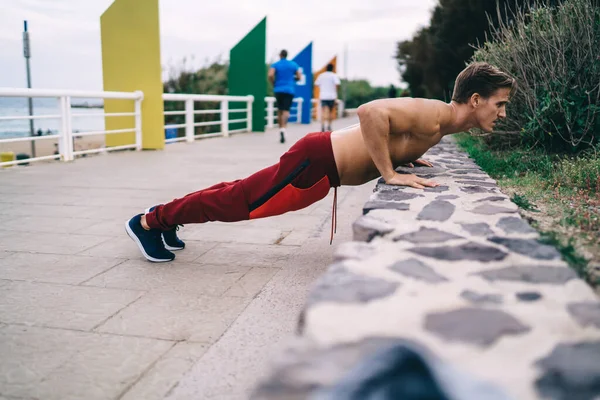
x: 130, y: 36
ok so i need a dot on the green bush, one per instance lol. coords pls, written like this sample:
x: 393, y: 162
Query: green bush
x: 553, y: 52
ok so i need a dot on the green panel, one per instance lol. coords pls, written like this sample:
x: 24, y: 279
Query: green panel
x: 248, y: 74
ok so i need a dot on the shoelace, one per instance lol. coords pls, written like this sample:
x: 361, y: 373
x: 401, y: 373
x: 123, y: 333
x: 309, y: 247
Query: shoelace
x: 176, y: 228
x: 333, y: 215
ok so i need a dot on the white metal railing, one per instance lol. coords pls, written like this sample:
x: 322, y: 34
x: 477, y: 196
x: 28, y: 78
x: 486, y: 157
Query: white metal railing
x: 223, y: 112
x: 295, y: 111
x: 65, y: 116
x: 65, y: 135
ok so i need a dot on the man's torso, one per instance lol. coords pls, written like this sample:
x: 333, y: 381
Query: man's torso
x: 327, y: 82
x: 285, y: 70
x: 352, y: 157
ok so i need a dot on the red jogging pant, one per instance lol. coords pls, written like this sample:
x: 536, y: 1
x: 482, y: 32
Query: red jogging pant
x: 303, y: 176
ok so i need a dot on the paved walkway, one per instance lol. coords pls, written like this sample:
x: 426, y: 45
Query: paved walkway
x: 84, y: 316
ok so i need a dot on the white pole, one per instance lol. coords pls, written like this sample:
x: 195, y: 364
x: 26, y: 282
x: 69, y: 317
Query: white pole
x: 63, y: 139
x: 69, y: 131
x: 225, y: 118
x: 138, y: 121
x: 249, y: 112
x: 270, y: 112
x: 341, y: 106
x: 189, y: 120
x: 27, y: 55
x: 299, y: 110
x: 319, y: 110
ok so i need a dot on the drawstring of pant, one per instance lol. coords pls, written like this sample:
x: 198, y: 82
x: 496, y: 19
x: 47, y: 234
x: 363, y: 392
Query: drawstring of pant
x: 333, y: 215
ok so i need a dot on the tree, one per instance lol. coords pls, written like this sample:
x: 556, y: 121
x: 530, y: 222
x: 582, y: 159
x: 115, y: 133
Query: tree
x: 430, y: 62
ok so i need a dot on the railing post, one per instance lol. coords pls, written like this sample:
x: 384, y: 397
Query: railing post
x: 299, y: 110
x: 65, y: 142
x: 270, y: 111
x: 249, y: 112
x: 138, y: 120
x: 225, y: 118
x: 319, y: 109
x: 63, y: 139
x: 341, y: 106
x: 189, y: 120
x: 71, y: 141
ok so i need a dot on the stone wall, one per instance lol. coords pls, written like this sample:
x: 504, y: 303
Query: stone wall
x: 455, y: 271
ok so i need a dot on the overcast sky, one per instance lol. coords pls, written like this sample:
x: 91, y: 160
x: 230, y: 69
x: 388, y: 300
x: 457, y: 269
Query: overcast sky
x: 65, y: 35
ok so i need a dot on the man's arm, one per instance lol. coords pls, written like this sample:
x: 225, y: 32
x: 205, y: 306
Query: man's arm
x: 375, y: 126
x: 271, y: 75
x: 375, y: 122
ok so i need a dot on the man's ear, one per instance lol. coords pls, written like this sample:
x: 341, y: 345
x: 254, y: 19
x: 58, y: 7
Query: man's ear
x: 475, y: 100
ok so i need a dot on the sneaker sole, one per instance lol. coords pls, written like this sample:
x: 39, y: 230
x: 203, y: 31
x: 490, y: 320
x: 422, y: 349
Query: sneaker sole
x: 169, y: 247
x: 139, y: 244
x: 146, y: 211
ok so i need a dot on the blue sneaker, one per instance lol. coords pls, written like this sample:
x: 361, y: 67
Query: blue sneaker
x: 150, y: 242
x: 170, y: 239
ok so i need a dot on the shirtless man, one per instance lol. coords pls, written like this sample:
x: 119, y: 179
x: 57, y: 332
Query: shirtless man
x: 391, y: 132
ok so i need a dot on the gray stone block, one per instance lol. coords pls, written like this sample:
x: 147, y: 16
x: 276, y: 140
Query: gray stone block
x: 421, y: 170
x: 473, y: 178
x: 477, y: 183
x: 476, y: 189
x: 528, y: 247
x: 427, y: 235
x: 395, y: 195
x: 488, y: 209
x: 437, y: 189
x: 481, y: 298
x: 478, y: 229
x: 414, y: 268
x: 514, y: 225
x: 528, y: 296
x: 586, y: 314
x: 474, y: 325
x: 570, y: 372
x: 469, y: 251
x: 385, y: 205
x: 468, y: 171
x: 339, y: 285
x: 437, y: 210
x: 492, y: 198
x: 532, y: 274
x: 366, y: 228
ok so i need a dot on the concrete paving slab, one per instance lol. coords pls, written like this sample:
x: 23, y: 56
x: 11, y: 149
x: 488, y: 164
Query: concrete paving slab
x: 61, y: 364
x: 60, y: 306
x: 52, y: 243
x: 176, y: 315
x: 54, y: 268
x: 144, y: 276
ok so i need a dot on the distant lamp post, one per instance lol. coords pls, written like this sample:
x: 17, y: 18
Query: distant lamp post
x: 27, y: 55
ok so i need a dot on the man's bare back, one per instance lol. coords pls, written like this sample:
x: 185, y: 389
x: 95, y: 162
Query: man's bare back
x: 414, y: 126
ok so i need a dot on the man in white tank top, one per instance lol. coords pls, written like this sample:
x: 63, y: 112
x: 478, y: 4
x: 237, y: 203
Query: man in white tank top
x: 328, y: 83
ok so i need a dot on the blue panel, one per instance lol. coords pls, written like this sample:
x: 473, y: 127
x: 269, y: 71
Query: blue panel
x: 304, y: 87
